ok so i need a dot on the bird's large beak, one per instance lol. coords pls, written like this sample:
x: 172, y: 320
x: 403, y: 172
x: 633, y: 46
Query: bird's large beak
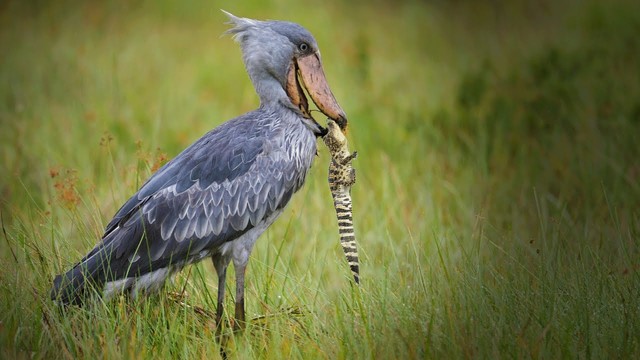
x: 309, y: 68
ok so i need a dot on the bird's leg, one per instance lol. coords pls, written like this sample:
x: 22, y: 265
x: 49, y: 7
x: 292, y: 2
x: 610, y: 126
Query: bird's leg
x: 240, y: 318
x: 220, y: 304
x: 220, y: 264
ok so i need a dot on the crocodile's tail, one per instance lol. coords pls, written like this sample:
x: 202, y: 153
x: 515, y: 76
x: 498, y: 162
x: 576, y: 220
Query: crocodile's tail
x: 342, y: 203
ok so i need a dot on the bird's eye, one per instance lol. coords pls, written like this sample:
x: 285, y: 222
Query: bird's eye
x: 303, y: 47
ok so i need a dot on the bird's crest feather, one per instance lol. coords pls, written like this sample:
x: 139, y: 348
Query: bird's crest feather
x: 240, y: 25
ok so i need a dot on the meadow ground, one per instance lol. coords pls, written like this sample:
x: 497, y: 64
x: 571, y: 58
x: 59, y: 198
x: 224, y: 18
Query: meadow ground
x: 497, y: 206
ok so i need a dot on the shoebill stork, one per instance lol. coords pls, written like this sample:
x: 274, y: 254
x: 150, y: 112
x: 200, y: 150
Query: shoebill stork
x: 221, y: 193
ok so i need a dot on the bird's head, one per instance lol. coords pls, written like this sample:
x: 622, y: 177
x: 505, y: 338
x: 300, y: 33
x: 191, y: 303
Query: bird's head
x: 282, y: 58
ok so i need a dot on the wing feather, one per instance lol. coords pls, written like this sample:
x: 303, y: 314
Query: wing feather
x: 201, y: 224
x: 167, y: 226
x: 217, y: 223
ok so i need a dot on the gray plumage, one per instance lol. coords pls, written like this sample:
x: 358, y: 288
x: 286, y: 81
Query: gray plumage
x: 216, y: 197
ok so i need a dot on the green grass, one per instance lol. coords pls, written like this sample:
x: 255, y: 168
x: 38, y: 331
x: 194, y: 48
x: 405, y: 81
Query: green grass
x: 497, y: 202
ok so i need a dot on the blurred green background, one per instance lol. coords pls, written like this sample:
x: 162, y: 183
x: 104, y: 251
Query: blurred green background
x: 497, y: 202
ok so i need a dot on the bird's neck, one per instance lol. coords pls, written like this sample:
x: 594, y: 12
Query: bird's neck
x: 270, y: 92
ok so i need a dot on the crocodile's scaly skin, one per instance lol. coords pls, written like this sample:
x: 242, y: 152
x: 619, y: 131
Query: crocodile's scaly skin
x: 341, y: 176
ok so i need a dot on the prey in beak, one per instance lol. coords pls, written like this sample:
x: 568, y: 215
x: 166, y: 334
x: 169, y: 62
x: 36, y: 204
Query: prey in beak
x: 306, y: 71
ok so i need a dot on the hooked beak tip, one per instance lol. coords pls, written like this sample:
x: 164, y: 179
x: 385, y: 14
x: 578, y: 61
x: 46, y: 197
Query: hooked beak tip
x: 342, y: 121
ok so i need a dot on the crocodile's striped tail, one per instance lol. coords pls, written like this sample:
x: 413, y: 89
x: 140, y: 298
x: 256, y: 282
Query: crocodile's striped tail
x: 342, y: 204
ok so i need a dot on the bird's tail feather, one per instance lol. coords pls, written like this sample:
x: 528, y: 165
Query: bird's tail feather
x: 74, y: 286
x: 69, y: 288
x: 82, y: 280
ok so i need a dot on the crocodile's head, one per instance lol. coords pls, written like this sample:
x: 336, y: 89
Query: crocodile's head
x: 335, y: 138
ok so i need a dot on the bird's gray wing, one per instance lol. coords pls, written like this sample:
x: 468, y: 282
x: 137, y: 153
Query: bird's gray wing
x: 217, y: 189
